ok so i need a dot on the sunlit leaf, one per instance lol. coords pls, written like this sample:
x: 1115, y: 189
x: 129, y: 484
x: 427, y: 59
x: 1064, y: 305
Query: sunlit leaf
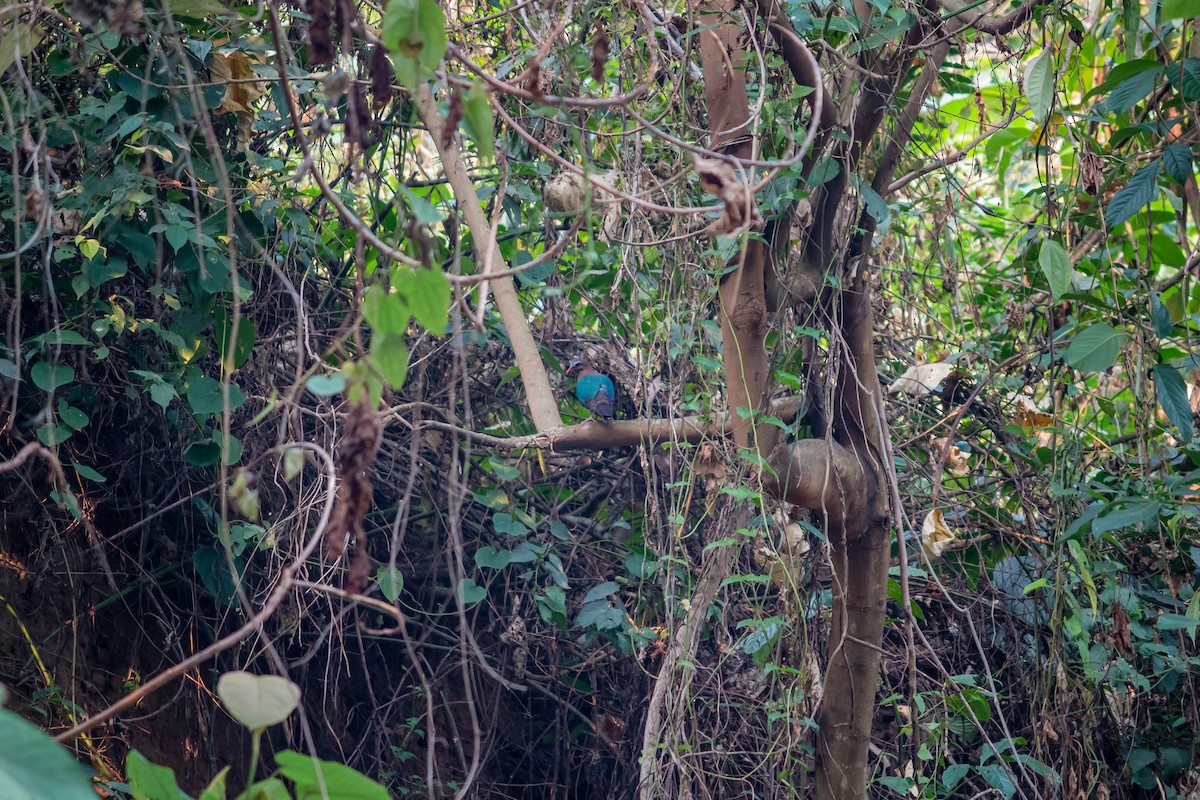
x: 1056, y: 266
x: 1039, y: 84
x: 258, y: 701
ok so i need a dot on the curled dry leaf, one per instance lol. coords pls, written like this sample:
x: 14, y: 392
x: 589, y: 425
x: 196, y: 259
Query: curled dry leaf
x: 921, y: 379
x: 936, y: 536
x: 1028, y: 415
x: 956, y: 459
x: 718, y: 178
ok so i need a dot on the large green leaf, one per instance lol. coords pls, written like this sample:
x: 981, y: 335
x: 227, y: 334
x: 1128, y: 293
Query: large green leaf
x: 1185, y: 77
x: 34, y: 767
x: 1056, y: 266
x: 1173, y: 397
x: 149, y: 781
x: 1131, y: 91
x: 1177, y: 160
x: 427, y: 294
x: 1133, y: 197
x: 415, y: 32
x: 204, y: 396
x: 1039, y: 84
x: 258, y: 701
x: 1095, y: 348
x: 477, y: 117
x: 314, y: 779
x: 1180, y: 9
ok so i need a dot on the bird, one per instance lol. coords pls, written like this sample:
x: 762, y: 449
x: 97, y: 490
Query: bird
x: 594, y: 390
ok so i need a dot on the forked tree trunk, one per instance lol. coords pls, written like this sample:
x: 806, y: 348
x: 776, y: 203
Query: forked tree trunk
x: 838, y: 477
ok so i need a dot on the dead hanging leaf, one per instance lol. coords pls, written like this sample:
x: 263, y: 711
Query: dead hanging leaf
x: 599, y: 55
x: 921, y: 379
x: 564, y: 193
x: 533, y: 79
x: 718, y: 178
x: 775, y: 566
x: 956, y: 459
x: 1091, y: 171
x: 454, y: 115
x: 242, y: 89
x: 355, y: 457
x: 321, y: 48
x: 1028, y: 415
x: 708, y: 462
x: 380, y: 70
x: 936, y: 536
x: 360, y: 125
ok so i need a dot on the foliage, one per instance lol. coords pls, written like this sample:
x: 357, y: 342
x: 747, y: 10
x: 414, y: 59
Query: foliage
x: 227, y: 228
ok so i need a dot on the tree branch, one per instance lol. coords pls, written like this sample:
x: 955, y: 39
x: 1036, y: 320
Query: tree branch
x: 542, y: 404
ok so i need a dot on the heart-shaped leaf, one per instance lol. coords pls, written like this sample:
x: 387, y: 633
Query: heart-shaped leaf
x: 258, y: 701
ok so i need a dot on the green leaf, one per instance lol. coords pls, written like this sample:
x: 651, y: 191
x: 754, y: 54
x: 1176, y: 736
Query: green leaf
x: 1179, y: 9
x: 89, y: 248
x: 492, y: 558
x: 1139, y: 512
x: 504, y: 523
x: 216, y: 787
x: 53, y: 435
x: 415, y: 32
x: 385, y: 311
x: 477, y: 119
x: 326, y: 385
x: 1133, y: 197
x: 1039, y: 85
x: 149, y: 781
x: 1160, y: 316
x: 1131, y: 91
x: 234, y: 353
x: 1177, y: 159
x: 48, y: 377
x: 423, y: 211
x: 1056, y: 266
x: 427, y: 294
x: 258, y: 701
x: 84, y: 471
x: 270, y: 789
x: 204, y: 396
x: 33, y: 766
x: 178, y: 236
x: 60, y: 337
x: 162, y: 393
x: 601, y: 591
x: 1185, y: 76
x: 389, y: 356
x: 315, y: 779
x: 471, y: 592
x: 1175, y: 622
x: 391, y: 582
x: 1173, y: 397
x: 1095, y: 348
x: 71, y: 416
